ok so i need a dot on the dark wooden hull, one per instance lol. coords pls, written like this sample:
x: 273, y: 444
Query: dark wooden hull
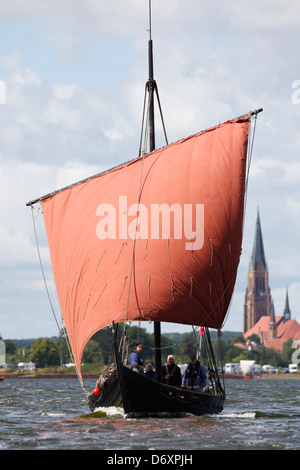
x: 110, y: 394
x: 139, y: 395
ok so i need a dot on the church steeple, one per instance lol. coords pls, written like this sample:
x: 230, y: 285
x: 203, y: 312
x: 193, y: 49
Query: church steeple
x: 272, y: 333
x: 286, y: 312
x: 258, y: 252
x: 258, y: 299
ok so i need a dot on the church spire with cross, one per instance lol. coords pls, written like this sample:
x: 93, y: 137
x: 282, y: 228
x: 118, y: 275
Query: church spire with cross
x: 258, y: 300
x: 258, y: 252
x: 287, y: 313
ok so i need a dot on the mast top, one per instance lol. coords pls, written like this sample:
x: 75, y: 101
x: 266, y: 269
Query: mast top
x: 150, y: 22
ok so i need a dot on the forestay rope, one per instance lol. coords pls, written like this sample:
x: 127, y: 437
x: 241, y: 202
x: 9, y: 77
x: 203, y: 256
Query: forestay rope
x: 52, y: 308
x: 249, y: 159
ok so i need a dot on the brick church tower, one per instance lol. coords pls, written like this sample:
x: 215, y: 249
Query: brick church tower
x: 258, y: 300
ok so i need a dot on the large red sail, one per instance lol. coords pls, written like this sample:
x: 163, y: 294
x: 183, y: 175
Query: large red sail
x: 177, y: 261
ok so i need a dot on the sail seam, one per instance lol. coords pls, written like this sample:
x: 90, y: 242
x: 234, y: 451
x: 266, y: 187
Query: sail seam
x: 100, y: 260
x: 192, y: 251
x: 212, y: 251
x: 146, y: 246
x: 149, y: 280
x: 124, y: 282
x: 74, y: 284
x: 84, y: 270
x: 99, y: 296
x: 172, y: 287
x: 124, y: 243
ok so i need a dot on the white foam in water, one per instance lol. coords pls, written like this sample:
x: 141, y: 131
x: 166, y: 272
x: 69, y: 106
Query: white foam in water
x: 112, y: 411
x: 238, y: 415
x: 115, y: 411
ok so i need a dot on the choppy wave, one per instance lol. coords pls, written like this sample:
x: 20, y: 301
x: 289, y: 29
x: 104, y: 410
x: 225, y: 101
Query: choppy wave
x: 238, y: 415
x: 110, y: 412
x: 52, y: 414
x: 259, y: 415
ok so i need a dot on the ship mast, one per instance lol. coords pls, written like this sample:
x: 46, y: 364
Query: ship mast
x: 151, y: 88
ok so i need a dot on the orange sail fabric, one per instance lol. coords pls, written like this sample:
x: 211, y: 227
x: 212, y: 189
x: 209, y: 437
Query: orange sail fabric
x: 156, y: 239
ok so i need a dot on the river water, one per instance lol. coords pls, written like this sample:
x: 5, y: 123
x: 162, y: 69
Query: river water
x: 51, y: 414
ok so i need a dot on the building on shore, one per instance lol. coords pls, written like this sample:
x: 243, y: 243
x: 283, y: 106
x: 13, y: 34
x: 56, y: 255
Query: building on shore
x: 259, y: 310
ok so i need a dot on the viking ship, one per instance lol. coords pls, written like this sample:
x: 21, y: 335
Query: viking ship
x: 155, y: 239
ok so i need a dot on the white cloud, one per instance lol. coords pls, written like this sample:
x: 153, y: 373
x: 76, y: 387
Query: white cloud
x: 65, y: 92
x: 63, y: 116
x: 27, y: 77
x: 75, y: 83
x: 294, y: 205
x: 73, y: 172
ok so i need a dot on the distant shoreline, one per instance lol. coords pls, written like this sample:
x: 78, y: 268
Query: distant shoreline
x: 47, y: 376
x: 95, y: 376
x: 278, y: 376
x: 263, y: 376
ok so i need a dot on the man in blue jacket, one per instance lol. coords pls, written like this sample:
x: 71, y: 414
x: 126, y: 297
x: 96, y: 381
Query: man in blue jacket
x: 195, y: 375
x: 136, y: 356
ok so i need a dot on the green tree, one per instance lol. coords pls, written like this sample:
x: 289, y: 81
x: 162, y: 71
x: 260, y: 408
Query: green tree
x: 44, y: 352
x: 236, y: 338
x: 10, y: 347
x: 286, y: 354
x: 62, y: 348
x: 13, y: 354
x: 92, y: 353
x: 254, y: 338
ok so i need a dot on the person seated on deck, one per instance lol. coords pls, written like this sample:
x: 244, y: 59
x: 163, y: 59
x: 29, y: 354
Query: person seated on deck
x: 149, y: 373
x: 171, y: 374
x: 136, y: 368
x: 195, y: 375
x: 136, y: 356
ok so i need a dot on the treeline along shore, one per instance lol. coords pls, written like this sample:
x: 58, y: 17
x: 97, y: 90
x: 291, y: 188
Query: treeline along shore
x: 51, y: 356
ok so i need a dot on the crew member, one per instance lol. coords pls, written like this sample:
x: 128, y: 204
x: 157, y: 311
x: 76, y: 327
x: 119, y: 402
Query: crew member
x: 136, y: 356
x: 195, y: 375
x: 171, y: 374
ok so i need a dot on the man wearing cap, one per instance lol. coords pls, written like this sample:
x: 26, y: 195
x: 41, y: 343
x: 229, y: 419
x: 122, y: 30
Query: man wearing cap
x: 195, y: 375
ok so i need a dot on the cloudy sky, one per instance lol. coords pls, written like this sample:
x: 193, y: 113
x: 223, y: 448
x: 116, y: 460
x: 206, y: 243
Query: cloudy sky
x: 72, y: 77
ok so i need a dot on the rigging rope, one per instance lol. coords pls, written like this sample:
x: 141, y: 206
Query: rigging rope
x: 52, y: 308
x: 42, y: 269
x: 249, y: 159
